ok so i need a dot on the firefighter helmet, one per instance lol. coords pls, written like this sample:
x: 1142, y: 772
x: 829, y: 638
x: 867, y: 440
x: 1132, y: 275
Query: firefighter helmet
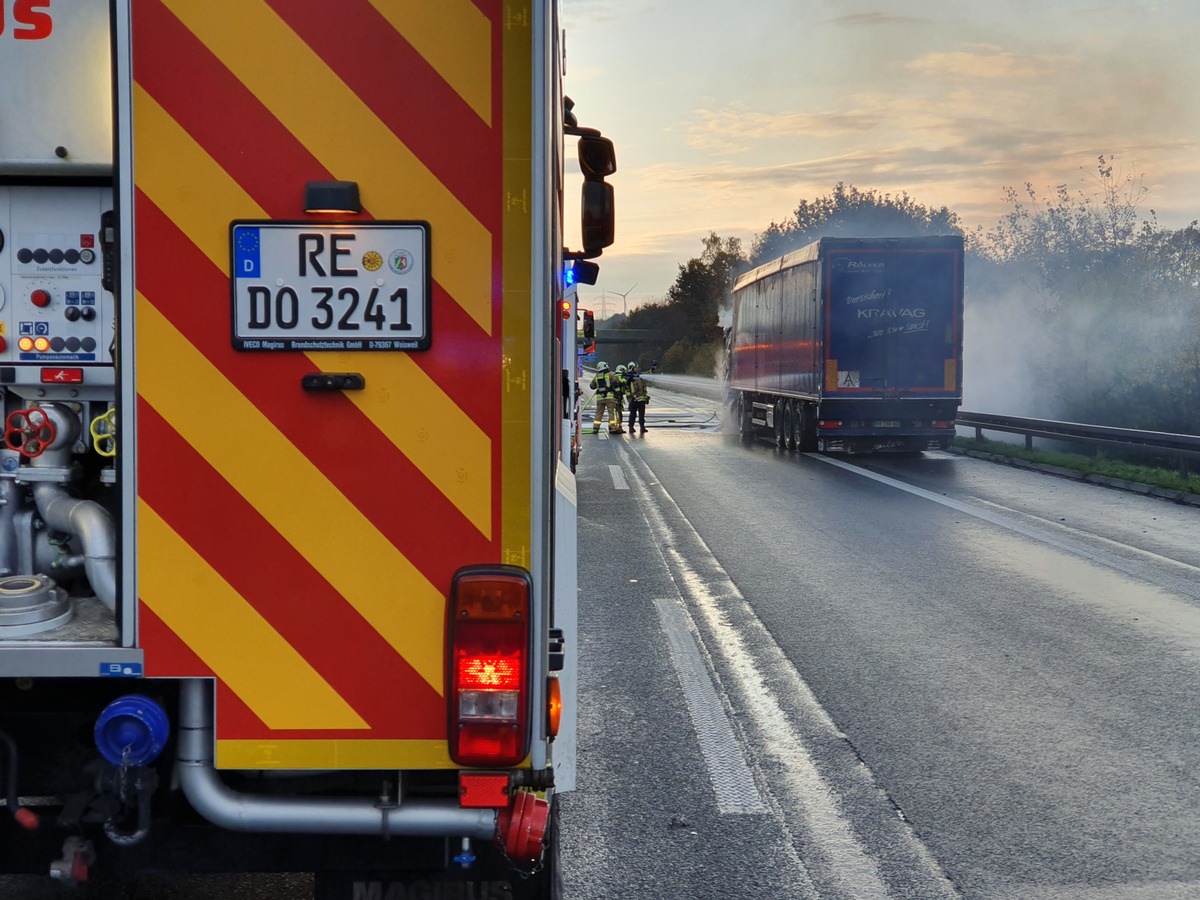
x: 620, y: 370
x: 602, y: 367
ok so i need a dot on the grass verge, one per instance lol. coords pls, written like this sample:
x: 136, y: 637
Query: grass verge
x: 1167, y: 479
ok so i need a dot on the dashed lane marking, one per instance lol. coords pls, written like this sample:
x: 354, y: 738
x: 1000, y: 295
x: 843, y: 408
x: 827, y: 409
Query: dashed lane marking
x: 731, y: 779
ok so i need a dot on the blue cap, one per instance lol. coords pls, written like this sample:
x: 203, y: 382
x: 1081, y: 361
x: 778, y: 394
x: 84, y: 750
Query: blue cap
x: 132, y: 730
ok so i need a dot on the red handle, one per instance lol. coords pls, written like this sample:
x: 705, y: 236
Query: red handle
x: 29, y: 431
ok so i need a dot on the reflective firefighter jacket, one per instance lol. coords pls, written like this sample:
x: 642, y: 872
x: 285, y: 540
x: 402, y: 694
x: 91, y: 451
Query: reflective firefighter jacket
x: 603, y: 383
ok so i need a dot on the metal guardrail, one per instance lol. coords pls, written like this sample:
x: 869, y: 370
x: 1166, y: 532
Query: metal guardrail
x: 1181, y: 446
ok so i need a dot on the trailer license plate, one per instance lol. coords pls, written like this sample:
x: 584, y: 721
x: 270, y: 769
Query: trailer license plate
x: 321, y: 286
x: 887, y: 423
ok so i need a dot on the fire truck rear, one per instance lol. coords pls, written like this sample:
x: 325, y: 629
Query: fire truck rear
x: 287, y: 522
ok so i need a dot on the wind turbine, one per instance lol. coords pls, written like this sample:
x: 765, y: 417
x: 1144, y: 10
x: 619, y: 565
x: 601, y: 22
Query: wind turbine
x: 624, y: 309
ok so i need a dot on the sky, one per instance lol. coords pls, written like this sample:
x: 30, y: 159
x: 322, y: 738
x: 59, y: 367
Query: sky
x: 725, y: 115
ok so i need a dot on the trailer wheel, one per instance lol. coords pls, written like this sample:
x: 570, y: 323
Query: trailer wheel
x: 798, y: 426
x: 777, y: 418
x: 789, y: 418
x: 741, y: 416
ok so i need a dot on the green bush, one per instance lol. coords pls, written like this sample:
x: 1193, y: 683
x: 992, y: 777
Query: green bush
x: 685, y: 358
x: 677, y: 358
x: 704, y: 361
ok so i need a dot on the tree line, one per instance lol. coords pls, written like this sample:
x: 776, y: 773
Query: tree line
x: 1078, y: 306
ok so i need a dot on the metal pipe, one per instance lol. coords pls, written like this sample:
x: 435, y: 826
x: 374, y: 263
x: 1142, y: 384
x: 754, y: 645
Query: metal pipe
x: 227, y: 808
x: 86, y: 519
x: 9, y: 500
x: 92, y: 524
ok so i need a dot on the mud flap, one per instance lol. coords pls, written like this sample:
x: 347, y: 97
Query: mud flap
x: 492, y: 876
x: 487, y: 883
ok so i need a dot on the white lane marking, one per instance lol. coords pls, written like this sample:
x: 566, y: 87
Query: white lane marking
x: 727, y: 769
x: 618, y: 477
x: 751, y: 654
x: 1185, y: 583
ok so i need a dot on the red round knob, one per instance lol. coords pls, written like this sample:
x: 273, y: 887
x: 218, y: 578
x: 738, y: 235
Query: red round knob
x: 40, y: 297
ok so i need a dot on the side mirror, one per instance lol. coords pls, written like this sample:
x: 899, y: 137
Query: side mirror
x: 598, y: 216
x: 597, y: 160
x: 597, y: 157
x: 587, y: 340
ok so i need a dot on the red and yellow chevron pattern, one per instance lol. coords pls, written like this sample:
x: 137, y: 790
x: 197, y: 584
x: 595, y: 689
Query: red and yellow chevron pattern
x: 298, y: 547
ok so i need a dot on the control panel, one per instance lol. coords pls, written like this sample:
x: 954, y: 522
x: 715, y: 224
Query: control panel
x: 56, y: 305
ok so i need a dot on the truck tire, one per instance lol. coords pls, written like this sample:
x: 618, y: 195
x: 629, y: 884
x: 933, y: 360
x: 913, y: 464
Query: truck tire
x: 798, y: 426
x: 789, y: 424
x: 778, y: 420
x: 741, y: 417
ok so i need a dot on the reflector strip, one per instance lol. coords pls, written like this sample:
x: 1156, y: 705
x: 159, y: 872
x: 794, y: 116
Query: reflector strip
x: 456, y: 456
x: 462, y: 55
x: 320, y: 110
x: 207, y: 513
x: 338, y: 520
x: 232, y: 638
x: 274, y: 476
x: 359, y: 754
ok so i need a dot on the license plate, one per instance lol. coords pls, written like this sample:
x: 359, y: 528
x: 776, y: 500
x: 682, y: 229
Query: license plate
x: 887, y: 423
x: 320, y: 286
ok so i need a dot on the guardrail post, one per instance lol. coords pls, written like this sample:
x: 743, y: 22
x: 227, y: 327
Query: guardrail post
x: 1029, y: 442
x: 978, y: 435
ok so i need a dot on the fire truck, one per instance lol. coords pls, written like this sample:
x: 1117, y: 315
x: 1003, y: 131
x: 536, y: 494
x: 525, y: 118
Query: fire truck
x: 287, y: 516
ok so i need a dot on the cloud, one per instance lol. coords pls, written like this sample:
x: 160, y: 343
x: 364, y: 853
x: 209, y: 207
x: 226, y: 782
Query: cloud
x: 737, y: 129
x: 991, y: 63
x: 724, y: 123
x: 875, y: 20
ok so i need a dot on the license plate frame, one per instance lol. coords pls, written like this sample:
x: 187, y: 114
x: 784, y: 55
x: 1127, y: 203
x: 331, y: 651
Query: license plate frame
x: 347, y: 285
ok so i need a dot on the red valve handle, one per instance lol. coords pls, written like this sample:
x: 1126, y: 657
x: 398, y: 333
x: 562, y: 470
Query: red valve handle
x: 30, y: 431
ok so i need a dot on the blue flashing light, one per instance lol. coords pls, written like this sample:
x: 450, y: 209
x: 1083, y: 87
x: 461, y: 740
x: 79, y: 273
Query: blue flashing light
x: 569, y: 275
x: 132, y: 731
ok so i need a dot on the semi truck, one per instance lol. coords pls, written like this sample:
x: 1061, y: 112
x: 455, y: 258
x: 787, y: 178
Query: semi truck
x: 287, y: 515
x: 850, y: 345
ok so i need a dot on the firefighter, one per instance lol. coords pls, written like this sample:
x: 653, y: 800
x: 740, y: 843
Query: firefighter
x: 639, y: 396
x: 620, y: 389
x: 603, y: 384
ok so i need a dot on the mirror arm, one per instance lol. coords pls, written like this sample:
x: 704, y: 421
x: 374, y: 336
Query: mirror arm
x: 580, y: 254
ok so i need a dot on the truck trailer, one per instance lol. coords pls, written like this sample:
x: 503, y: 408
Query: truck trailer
x: 287, y: 515
x: 850, y: 345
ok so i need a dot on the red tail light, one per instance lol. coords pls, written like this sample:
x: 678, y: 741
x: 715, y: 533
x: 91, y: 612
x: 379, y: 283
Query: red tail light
x: 487, y: 661
x: 829, y: 423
